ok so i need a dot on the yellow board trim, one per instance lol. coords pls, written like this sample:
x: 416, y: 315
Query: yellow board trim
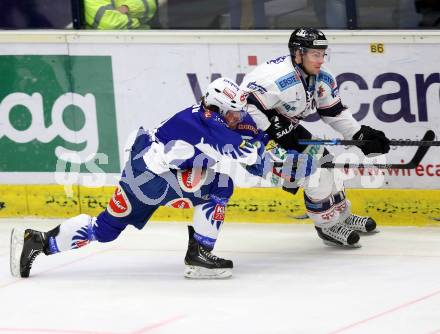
x: 395, y: 207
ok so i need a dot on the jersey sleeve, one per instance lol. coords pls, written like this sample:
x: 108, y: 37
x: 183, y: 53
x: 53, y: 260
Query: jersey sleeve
x: 223, y: 143
x: 330, y: 106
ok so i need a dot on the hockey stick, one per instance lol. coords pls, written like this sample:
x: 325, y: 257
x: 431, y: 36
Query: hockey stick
x: 413, y: 163
x: 363, y: 142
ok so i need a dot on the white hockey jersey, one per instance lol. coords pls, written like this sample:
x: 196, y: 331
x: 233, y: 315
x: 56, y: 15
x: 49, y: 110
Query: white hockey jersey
x: 280, y: 86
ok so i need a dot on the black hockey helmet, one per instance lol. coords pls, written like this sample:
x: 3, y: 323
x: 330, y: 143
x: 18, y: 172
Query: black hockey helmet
x: 309, y: 38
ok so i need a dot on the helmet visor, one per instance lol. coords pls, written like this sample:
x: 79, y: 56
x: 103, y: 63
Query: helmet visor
x: 318, y: 54
x: 233, y: 117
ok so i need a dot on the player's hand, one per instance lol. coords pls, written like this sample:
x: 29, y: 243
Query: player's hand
x: 258, y: 168
x: 302, y: 164
x: 376, y: 141
x: 292, y: 165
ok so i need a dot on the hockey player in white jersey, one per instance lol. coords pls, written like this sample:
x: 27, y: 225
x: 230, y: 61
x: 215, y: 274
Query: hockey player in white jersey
x: 285, y: 90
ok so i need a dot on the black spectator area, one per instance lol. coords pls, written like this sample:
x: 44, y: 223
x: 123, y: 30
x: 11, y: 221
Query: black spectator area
x: 238, y: 14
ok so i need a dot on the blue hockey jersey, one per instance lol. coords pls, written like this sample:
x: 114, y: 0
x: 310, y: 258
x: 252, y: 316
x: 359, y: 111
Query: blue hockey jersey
x: 195, y: 138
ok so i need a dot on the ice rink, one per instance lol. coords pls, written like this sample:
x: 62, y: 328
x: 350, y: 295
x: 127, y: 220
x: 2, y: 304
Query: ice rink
x: 284, y: 281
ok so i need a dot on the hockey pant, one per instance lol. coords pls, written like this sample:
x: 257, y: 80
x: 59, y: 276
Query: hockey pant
x: 124, y: 208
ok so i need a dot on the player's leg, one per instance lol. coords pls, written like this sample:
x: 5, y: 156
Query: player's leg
x: 324, y: 193
x: 209, y: 215
x: 76, y: 232
x: 328, y: 207
x: 27, y: 244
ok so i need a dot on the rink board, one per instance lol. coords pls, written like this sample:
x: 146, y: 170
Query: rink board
x: 72, y: 101
x: 408, y: 207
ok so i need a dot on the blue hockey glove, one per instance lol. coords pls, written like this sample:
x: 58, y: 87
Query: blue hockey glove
x: 258, y: 169
x: 295, y: 165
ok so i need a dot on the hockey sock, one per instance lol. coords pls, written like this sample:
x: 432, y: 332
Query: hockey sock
x: 74, y: 233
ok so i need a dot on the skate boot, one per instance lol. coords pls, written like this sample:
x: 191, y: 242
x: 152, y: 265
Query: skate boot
x: 361, y: 224
x: 25, y: 247
x: 339, y: 235
x: 201, y: 263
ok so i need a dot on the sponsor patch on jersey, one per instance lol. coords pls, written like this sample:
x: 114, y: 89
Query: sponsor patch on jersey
x: 191, y: 180
x: 286, y: 81
x: 289, y: 108
x: 276, y: 60
x: 219, y: 212
x: 119, y: 205
x: 180, y: 203
x: 247, y: 127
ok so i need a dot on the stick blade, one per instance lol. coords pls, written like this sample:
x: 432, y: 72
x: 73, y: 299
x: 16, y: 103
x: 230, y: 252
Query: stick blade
x: 421, y: 151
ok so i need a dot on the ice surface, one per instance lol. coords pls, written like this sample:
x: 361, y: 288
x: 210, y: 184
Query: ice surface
x: 284, y: 281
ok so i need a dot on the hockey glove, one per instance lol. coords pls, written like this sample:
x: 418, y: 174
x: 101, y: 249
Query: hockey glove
x: 295, y: 165
x: 257, y: 169
x: 376, y: 141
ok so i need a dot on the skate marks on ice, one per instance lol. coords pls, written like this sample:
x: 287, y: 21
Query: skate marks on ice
x: 284, y: 281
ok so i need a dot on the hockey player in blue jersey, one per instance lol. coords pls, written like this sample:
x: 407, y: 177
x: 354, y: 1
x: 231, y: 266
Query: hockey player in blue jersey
x: 169, y: 165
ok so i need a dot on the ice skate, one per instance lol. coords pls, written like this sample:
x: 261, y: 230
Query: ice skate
x: 361, y: 224
x: 339, y: 235
x: 26, y: 245
x: 201, y: 263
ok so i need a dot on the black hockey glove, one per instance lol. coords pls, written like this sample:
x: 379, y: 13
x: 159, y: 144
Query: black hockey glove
x: 376, y: 141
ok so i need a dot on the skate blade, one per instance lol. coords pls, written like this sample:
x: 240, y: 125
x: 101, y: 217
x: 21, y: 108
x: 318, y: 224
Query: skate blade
x: 16, y: 248
x: 334, y: 244
x: 204, y: 273
x: 375, y: 231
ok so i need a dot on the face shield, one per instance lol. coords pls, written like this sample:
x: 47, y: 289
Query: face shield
x: 317, y: 54
x: 233, y: 117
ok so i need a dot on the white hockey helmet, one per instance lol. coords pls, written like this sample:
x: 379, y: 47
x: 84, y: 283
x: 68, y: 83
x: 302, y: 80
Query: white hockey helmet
x: 224, y: 95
